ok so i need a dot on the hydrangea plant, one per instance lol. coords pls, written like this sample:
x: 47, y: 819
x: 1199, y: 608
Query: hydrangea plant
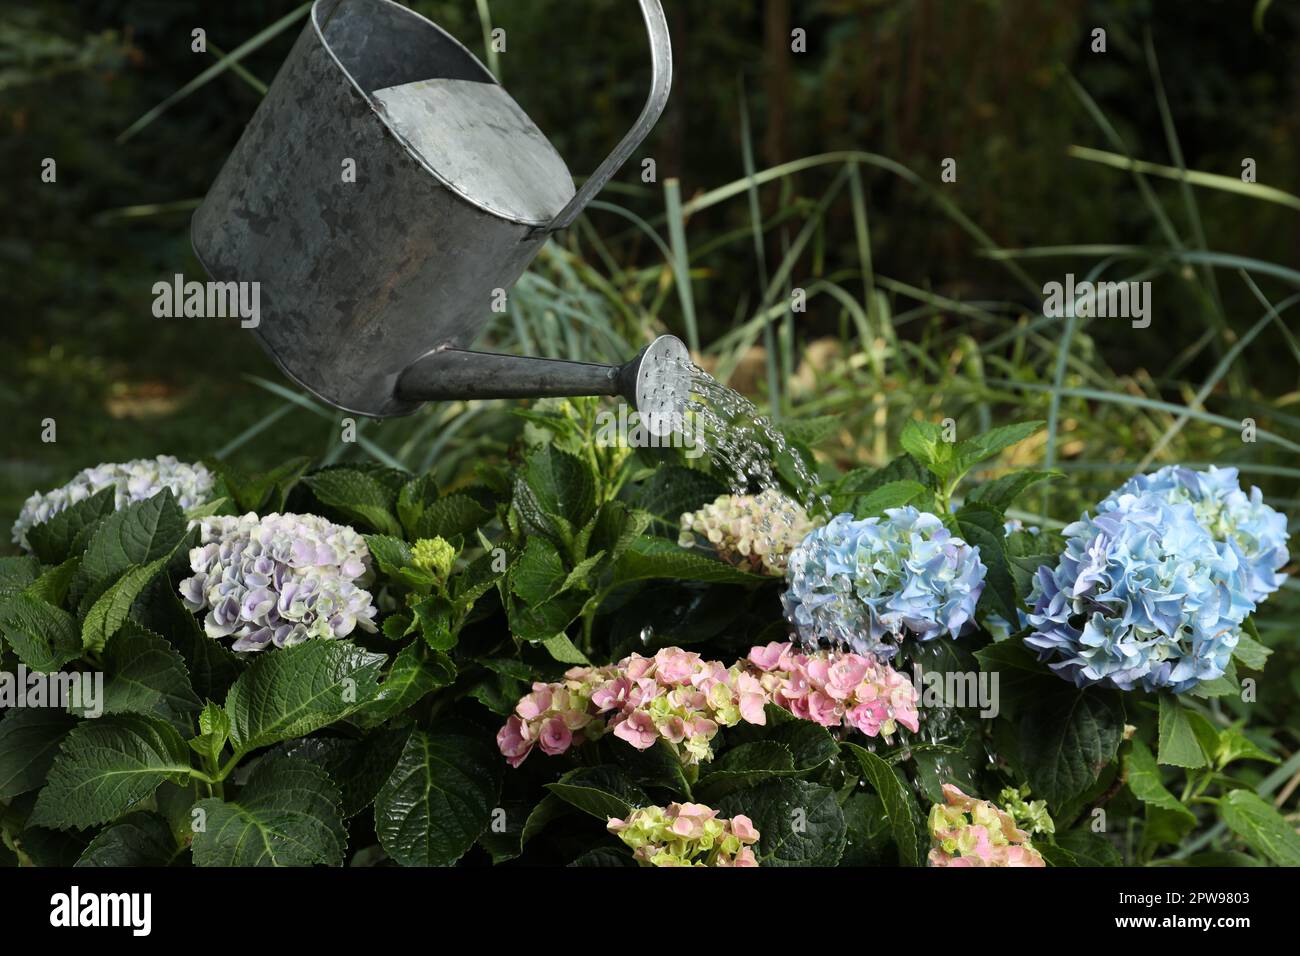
x: 685, y: 720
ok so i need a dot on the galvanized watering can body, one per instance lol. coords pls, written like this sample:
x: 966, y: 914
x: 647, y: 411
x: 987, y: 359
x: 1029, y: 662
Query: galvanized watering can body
x: 362, y: 281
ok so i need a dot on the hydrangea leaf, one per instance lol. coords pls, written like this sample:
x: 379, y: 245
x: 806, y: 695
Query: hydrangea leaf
x: 110, y: 610
x: 29, y: 741
x: 438, y: 799
x: 800, y: 824
x: 981, y: 527
x: 673, y: 490
x: 893, y: 494
x: 108, y: 765
x: 603, y: 792
x: 43, y: 636
x: 557, y: 483
x: 138, y: 839
x: 450, y: 516
x: 53, y: 540
x: 146, y: 675
x: 1144, y: 782
x: 650, y: 558
x: 358, y: 496
x: 212, y: 667
x: 1001, y: 493
x: 974, y: 450
x: 1262, y: 828
x: 1067, y: 738
x: 416, y: 495
x: 359, y: 767
x: 605, y: 856
x: 745, y: 766
x: 1179, y: 744
x: 1089, y: 849
x: 1251, y: 652
x: 287, y: 814
x: 416, y: 671
x: 296, y: 690
x: 924, y: 441
x: 137, y: 534
x: 900, y: 807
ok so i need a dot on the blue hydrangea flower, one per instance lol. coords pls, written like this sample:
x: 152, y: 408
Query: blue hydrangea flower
x: 867, y: 584
x: 278, y: 580
x: 1142, y: 596
x: 1257, y: 531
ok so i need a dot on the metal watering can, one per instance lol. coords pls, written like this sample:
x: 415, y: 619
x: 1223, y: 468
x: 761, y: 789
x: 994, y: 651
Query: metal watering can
x: 371, y: 289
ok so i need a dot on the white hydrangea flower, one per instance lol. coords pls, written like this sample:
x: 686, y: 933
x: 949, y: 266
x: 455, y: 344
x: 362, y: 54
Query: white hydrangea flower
x: 131, y: 480
x: 278, y: 580
x: 756, y: 532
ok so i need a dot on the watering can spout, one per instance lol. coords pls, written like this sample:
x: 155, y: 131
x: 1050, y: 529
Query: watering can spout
x: 656, y: 382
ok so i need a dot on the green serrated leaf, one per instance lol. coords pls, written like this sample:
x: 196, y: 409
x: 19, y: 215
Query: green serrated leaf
x: 451, y: 516
x: 296, y: 690
x: 43, y: 636
x: 1001, y: 493
x: 649, y: 558
x: 982, y: 527
x: 1144, y: 782
x: 1261, y: 827
x: 106, y: 766
x: 110, y: 611
x: 53, y: 540
x: 29, y: 741
x: 972, y: 451
x: 1067, y: 738
x: 145, y: 675
x: 287, y: 814
x: 1251, y: 653
x: 1179, y: 745
x: 137, y: 534
x: 799, y: 823
x: 602, y: 792
x: 360, y: 497
x: 899, y: 805
x: 438, y: 799
x: 138, y: 839
x: 924, y: 441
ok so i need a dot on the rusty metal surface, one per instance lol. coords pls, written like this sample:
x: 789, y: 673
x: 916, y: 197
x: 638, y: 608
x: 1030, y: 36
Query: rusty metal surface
x: 358, y: 279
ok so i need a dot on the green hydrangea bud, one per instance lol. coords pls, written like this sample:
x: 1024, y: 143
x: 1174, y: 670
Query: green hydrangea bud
x: 434, y: 555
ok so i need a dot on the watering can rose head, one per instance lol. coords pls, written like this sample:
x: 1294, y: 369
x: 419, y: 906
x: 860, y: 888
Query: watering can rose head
x: 1143, y: 596
x: 131, y: 481
x: 866, y: 584
x: 1256, y: 531
x: 278, y: 580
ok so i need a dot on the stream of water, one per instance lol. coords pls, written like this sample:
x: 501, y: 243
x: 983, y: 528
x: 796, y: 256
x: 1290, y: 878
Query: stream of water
x: 741, y: 443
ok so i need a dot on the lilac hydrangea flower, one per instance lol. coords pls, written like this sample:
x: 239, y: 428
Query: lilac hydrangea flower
x: 278, y: 580
x: 1257, y: 531
x: 867, y: 584
x: 131, y: 480
x: 1143, y: 596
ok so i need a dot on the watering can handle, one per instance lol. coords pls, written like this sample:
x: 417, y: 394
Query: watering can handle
x: 661, y: 80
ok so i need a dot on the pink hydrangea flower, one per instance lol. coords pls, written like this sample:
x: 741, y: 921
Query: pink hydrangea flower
x: 687, y: 834
x: 837, y: 688
x: 970, y: 832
